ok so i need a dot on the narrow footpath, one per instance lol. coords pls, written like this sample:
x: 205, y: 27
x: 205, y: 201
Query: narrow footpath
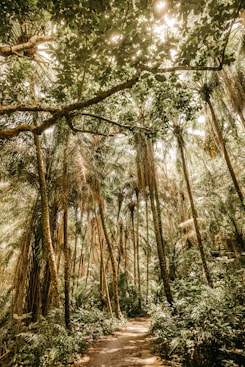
x: 129, y: 347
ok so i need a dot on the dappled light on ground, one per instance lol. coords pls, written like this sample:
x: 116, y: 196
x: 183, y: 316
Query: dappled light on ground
x: 129, y: 347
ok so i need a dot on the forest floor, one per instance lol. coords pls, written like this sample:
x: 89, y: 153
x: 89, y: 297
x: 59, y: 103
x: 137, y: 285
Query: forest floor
x: 130, y: 347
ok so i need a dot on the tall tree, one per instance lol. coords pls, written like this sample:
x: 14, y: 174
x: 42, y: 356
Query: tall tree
x: 47, y: 239
x: 206, y: 93
x: 147, y: 178
x: 67, y: 263
x: 179, y: 137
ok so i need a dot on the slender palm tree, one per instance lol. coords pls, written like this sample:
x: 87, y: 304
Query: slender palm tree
x: 179, y: 136
x: 147, y: 177
x: 67, y: 265
x: 206, y: 93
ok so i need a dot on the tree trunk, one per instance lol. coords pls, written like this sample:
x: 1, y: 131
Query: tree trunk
x: 138, y: 249
x: 103, y: 273
x: 147, y: 180
x: 226, y: 155
x: 156, y: 214
x: 113, y: 262
x: 74, y: 254
x: 81, y: 256
x: 132, y: 208
x: 45, y: 292
x: 160, y: 250
x: 193, y: 209
x: 47, y: 240
x: 120, y: 247
x: 22, y: 269
x: 126, y: 255
x: 147, y: 247
x: 67, y: 265
x: 33, y: 296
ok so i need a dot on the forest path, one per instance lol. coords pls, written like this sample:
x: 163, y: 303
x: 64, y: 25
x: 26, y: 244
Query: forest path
x: 130, y: 347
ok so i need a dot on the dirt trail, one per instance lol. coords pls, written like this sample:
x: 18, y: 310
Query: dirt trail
x: 129, y: 347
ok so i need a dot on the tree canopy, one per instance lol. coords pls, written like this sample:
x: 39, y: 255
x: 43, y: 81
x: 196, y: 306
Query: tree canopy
x: 121, y: 177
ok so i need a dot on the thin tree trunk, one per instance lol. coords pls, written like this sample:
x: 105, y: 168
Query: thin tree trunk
x: 33, y: 297
x: 160, y: 250
x: 46, y: 224
x: 147, y: 247
x: 89, y: 261
x: 126, y: 254
x: 193, y: 210
x: 67, y: 271
x: 59, y: 245
x: 113, y: 263
x: 120, y: 247
x: 226, y: 155
x: 46, y: 290
x: 155, y: 208
x: 147, y: 180
x: 132, y: 208
x: 74, y: 255
x: 81, y: 257
x: 138, y: 250
x: 103, y: 272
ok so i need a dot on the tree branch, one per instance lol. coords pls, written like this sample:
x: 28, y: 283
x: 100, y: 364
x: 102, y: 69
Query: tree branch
x: 47, y: 124
x: 76, y: 130
x: 108, y: 120
x: 11, y: 133
x: 59, y: 112
x: 103, y: 95
x: 93, y: 132
x: 28, y: 108
x: 122, y: 126
x: 6, y: 51
x: 180, y: 68
x: 73, y: 106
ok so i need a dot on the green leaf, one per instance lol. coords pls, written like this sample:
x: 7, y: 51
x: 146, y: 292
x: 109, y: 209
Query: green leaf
x: 160, y: 77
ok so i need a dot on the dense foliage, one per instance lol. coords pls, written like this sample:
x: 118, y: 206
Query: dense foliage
x: 207, y: 329
x: 122, y: 176
x: 49, y: 343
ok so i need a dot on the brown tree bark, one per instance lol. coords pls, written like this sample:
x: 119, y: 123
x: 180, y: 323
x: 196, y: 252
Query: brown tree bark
x: 30, y: 44
x: 138, y: 249
x: 23, y: 267
x: 132, y: 209
x: 47, y: 240
x: 148, y: 251
x: 67, y: 265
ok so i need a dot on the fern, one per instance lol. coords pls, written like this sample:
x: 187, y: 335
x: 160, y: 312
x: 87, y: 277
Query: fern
x: 208, y: 329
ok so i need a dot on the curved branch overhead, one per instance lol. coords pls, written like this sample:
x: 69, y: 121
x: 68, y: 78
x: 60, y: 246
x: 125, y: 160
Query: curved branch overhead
x: 6, y: 51
x: 72, y: 55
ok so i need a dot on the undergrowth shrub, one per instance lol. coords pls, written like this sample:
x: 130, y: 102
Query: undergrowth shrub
x: 48, y: 343
x: 129, y: 303
x: 208, y: 326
